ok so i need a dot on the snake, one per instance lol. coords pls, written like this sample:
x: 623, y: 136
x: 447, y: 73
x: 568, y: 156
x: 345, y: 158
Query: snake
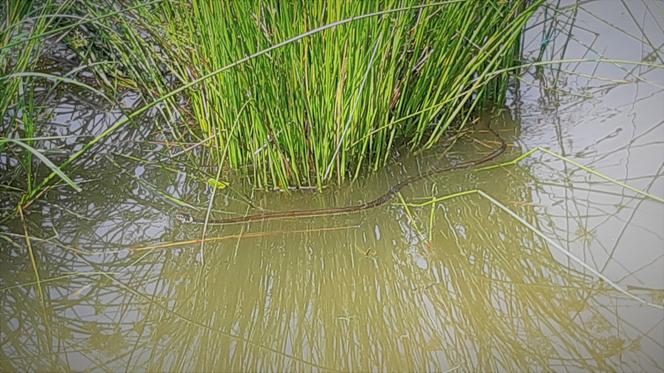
x: 376, y: 202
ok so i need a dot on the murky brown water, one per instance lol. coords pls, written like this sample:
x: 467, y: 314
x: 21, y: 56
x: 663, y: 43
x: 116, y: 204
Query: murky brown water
x: 458, y: 284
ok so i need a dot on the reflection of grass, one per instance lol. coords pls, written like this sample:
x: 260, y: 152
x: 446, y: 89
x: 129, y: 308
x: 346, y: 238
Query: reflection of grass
x: 533, y: 228
x: 280, y: 306
x: 543, y: 236
x: 491, y: 299
x: 276, y: 307
x: 512, y: 310
x: 577, y: 164
x: 522, y: 305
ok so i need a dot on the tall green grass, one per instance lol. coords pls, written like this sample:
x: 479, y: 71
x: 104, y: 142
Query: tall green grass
x: 21, y: 48
x: 323, y: 108
x: 31, y: 39
x: 327, y: 106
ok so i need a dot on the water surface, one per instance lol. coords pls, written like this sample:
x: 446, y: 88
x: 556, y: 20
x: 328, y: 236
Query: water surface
x: 457, y: 284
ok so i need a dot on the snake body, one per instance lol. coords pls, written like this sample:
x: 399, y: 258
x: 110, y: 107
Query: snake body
x: 378, y: 201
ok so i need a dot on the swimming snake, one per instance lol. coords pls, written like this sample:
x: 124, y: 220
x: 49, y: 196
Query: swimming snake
x: 378, y: 201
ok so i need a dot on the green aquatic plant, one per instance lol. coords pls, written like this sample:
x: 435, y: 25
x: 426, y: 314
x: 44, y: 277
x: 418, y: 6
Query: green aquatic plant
x: 19, y: 112
x: 37, y: 154
x: 335, y: 99
x: 26, y: 88
x: 176, y: 97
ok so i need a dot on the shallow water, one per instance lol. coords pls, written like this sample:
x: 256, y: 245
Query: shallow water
x: 457, y: 284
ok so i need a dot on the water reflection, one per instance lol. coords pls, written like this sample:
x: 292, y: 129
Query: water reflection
x: 456, y: 285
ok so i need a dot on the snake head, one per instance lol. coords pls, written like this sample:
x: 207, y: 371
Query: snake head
x: 184, y: 218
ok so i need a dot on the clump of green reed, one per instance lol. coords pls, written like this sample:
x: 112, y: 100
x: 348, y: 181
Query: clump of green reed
x: 17, y: 93
x: 331, y: 104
